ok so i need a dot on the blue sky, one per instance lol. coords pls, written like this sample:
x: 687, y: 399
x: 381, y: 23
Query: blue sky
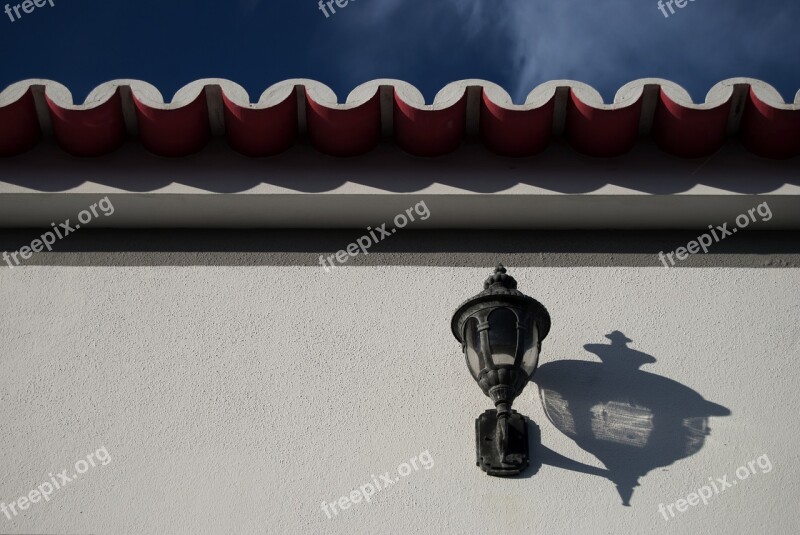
x: 515, y: 43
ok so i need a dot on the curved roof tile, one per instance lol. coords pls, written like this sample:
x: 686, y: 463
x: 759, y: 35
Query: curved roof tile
x: 118, y: 110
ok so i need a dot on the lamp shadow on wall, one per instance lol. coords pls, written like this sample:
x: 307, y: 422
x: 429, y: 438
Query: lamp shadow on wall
x: 631, y: 420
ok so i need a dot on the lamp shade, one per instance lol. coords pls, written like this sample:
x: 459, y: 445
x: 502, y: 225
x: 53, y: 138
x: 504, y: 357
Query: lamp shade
x: 501, y: 331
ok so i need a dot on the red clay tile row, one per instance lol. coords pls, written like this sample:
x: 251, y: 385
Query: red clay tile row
x: 116, y: 111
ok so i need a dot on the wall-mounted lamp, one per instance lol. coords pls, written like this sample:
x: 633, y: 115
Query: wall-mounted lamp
x: 501, y: 332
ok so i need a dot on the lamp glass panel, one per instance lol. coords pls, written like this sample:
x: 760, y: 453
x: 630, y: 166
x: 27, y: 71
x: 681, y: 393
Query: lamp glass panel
x: 472, y: 349
x: 503, y: 336
x: 531, y: 356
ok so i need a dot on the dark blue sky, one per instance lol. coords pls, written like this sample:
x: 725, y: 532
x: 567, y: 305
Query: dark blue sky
x: 515, y: 43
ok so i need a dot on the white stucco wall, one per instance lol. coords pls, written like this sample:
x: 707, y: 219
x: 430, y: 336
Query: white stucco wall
x: 238, y: 399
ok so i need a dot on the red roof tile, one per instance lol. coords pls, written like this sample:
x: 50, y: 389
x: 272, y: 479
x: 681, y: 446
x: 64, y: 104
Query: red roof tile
x: 116, y: 111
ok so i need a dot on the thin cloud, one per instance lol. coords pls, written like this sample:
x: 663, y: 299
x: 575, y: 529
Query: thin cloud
x: 605, y: 43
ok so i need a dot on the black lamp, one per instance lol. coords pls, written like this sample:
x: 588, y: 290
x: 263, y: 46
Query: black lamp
x: 501, y: 332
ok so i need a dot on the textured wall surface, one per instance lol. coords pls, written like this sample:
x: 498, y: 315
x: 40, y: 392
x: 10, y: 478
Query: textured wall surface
x: 237, y: 399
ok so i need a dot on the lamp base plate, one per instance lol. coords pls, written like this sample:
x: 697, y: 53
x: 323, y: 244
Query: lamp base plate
x: 489, y: 459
